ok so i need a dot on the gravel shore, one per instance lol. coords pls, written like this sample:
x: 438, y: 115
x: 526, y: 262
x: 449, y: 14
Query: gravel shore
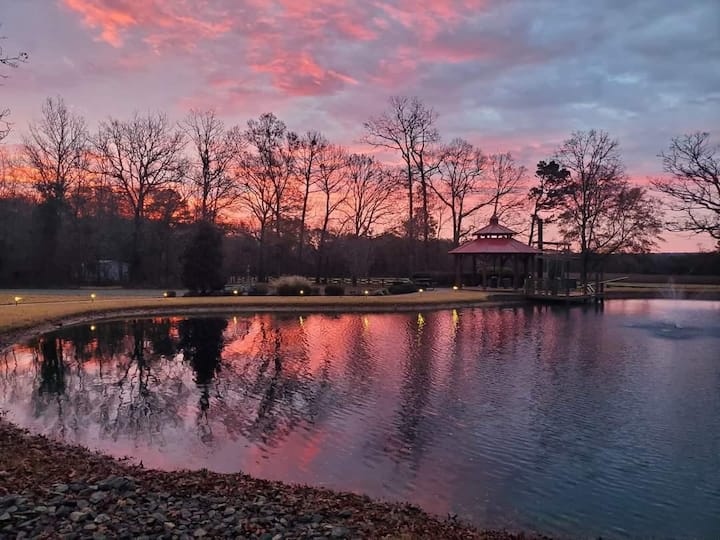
x: 52, y: 490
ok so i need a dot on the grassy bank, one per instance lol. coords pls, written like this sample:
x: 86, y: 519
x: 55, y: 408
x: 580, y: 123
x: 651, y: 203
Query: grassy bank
x: 38, y: 310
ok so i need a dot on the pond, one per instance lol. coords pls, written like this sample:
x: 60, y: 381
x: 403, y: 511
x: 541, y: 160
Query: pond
x: 569, y: 422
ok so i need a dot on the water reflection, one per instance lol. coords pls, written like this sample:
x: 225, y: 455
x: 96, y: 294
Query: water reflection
x: 563, y: 421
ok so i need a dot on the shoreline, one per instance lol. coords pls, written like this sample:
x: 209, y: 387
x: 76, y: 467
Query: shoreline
x: 50, y: 488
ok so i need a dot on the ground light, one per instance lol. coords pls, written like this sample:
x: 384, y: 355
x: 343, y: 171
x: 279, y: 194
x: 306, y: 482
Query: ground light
x: 17, y: 300
x: 366, y: 292
x: 302, y: 292
x: 165, y: 294
x: 421, y: 290
x: 92, y: 327
x: 455, y: 287
x: 92, y: 297
x: 235, y: 291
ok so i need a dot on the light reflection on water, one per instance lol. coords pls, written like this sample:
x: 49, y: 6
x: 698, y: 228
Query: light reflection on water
x: 575, y: 422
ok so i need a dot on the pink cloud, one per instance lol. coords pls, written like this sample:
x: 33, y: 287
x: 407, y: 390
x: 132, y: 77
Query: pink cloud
x: 164, y: 24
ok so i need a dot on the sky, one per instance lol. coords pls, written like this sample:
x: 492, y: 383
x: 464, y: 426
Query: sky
x: 507, y: 75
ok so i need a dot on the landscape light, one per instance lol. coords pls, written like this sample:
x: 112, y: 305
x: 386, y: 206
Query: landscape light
x: 366, y: 292
x: 165, y: 295
x: 302, y: 292
x: 235, y: 291
x: 92, y: 297
x: 421, y: 290
x: 17, y: 300
x: 92, y: 327
x: 455, y: 287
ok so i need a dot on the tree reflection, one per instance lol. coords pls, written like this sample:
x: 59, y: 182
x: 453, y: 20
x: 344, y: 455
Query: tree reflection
x: 52, y: 367
x: 202, y: 342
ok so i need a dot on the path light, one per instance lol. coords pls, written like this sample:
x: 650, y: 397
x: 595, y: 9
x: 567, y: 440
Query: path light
x: 366, y: 292
x: 421, y: 290
x: 235, y: 291
x: 17, y: 300
x: 92, y: 297
x: 165, y: 294
x: 302, y: 292
x: 92, y: 327
x: 455, y: 287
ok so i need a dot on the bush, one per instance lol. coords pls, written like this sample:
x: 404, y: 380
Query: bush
x: 292, y: 285
x: 258, y: 289
x: 402, y: 288
x: 334, y: 290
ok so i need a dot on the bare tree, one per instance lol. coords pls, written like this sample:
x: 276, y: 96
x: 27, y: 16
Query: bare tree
x: 55, y: 151
x: 12, y: 61
x: 597, y: 208
x: 505, y: 185
x: 140, y: 158
x: 693, y: 166
x: 408, y: 128
x: 332, y: 185
x: 460, y: 183
x: 310, y: 146
x: 370, y: 195
x: 215, y: 150
x: 274, y: 148
x: 258, y: 198
x: 369, y: 203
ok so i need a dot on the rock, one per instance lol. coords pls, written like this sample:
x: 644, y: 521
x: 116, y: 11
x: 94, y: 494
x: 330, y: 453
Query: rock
x: 8, y: 500
x: 339, y: 532
x: 81, y: 504
x: 77, y: 516
x: 98, y: 496
x: 5, y: 517
x: 102, y: 518
x: 61, y: 488
x: 118, y: 483
x: 90, y: 527
x: 169, y: 525
x: 199, y: 533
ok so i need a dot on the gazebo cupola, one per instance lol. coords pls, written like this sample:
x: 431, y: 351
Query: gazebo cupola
x: 495, y: 230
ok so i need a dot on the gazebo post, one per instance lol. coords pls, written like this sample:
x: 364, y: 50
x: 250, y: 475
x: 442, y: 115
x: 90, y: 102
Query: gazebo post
x: 474, y: 270
x: 457, y: 259
x: 515, y: 272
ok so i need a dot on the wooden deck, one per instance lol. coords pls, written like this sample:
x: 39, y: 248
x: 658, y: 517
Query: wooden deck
x: 564, y: 299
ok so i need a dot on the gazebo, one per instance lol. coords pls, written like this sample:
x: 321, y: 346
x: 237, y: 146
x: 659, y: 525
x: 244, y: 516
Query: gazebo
x: 495, y: 244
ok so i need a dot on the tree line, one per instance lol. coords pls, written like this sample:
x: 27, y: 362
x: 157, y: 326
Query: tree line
x: 263, y: 200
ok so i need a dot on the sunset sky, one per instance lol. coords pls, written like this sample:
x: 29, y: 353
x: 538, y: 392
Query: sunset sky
x: 515, y: 75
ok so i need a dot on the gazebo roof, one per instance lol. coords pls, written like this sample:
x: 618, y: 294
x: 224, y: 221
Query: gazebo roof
x: 494, y: 246
x: 494, y: 229
x: 494, y: 239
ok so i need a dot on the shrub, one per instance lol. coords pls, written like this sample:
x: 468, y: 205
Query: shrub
x: 292, y: 285
x: 402, y: 288
x: 334, y: 290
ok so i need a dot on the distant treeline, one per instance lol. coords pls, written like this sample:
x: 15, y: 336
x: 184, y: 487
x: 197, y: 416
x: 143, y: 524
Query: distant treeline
x: 134, y: 200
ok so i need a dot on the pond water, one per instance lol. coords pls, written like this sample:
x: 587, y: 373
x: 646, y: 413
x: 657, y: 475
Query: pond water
x: 570, y: 422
